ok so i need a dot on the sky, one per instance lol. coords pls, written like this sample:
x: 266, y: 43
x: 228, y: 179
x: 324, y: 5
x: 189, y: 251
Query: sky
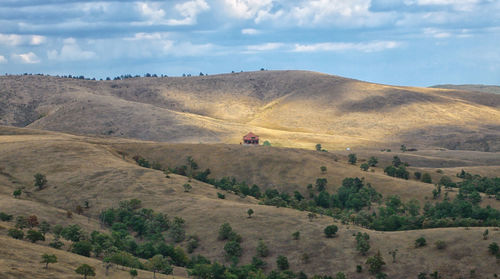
x: 406, y: 42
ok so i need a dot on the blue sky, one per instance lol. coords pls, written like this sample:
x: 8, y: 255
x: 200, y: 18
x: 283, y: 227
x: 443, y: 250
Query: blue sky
x: 407, y: 42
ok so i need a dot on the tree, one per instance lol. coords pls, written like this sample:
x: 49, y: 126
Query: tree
x: 83, y: 248
x: 187, y: 187
x: 340, y: 275
x: 296, y: 235
x: 321, y: 184
x: 420, y: 242
x: 250, y: 212
x: 233, y: 249
x: 33, y: 221
x: 133, y: 273
x: 364, y: 166
x: 15, y: 233
x: 40, y: 180
x: 426, y: 178
x: 323, y: 169
x: 46, y: 259
x: 373, y: 161
x: 262, y: 250
x: 375, y: 263
x: 318, y: 147
x: 17, y: 193
x: 44, y: 227
x: 158, y: 263
x: 225, y: 231
x: 266, y: 143
x: 396, y: 161
x: 393, y: 253
x: 493, y: 248
x: 282, y: 262
x: 85, y: 270
x: 485, y: 234
x: 418, y: 175
x: 330, y: 231
x: 403, y: 148
x: 352, y: 159
x: 362, y: 243
x: 35, y: 236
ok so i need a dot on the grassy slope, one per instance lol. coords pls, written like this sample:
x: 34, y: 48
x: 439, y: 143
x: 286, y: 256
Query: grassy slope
x: 98, y: 170
x: 289, y: 108
x: 471, y: 87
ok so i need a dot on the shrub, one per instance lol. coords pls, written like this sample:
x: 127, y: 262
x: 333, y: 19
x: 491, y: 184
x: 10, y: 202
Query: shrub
x: 133, y: 273
x: 262, y: 250
x: 187, y: 187
x: 35, y: 236
x: 225, y: 231
x: 352, y: 159
x: 330, y: 231
x: 296, y: 235
x: 15, y: 233
x: 250, y: 212
x: 158, y: 263
x: 364, y: 166
x: 493, y: 248
x: 420, y: 242
x: 17, y: 193
x: 375, y: 263
x: 362, y: 243
x: 56, y: 243
x: 373, y: 161
x: 323, y: 169
x: 5, y: 217
x: 193, y: 243
x: 282, y: 262
x: 359, y: 268
x: 426, y: 178
x: 221, y: 196
x: 417, y: 175
x: 440, y: 244
x: 233, y: 249
x: 40, y: 181
x: 82, y: 248
x: 73, y: 233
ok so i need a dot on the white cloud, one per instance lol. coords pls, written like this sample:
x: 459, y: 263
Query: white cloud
x: 460, y: 5
x: 249, y: 31
x: 26, y: 58
x: 247, y: 9
x: 3, y: 60
x: 342, y: 46
x: 70, y: 51
x: 152, y: 12
x: 189, y: 10
x: 436, y: 33
x: 264, y: 47
x: 16, y: 40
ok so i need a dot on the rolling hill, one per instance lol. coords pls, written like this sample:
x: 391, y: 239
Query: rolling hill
x: 101, y: 170
x: 471, y: 87
x: 287, y: 108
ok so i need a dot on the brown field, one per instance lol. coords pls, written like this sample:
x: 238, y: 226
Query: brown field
x: 100, y: 170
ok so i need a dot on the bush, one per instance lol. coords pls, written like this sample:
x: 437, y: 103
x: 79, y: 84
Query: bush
x: 262, y: 250
x: 364, y: 166
x: 420, y: 242
x: 46, y: 259
x: 221, y: 196
x: 5, y: 217
x: 73, y: 233
x: 233, y: 249
x: 15, y: 233
x: 417, y: 175
x: 56, y: 243
x: 35, y: 236
x: 426, y: 178
x: 282, y: 262
x: 193, y: 243
x: 440, y: 244
x: 362, y: 243
x: 40, y: 180
x: 225, y: 231
x: 493, y: 248
x: 82, y: 248
x: 296, y: 235
x: 330, y: 231
x: 373, y: 161
x: 17, y: 193
x: 375, y: 263
x: 352, y: 159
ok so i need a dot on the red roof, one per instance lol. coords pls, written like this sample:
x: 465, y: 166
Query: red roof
x: 250, y: 136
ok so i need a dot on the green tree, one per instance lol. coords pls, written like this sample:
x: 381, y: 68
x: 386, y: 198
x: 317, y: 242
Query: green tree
x: 485, y: 234
x: 40, y: 181
x: 46, y: 259
x: 82, y: 247
x: 225, y: 231
x: 296, y: 235
x: 133, y: 273
x: 262, y: 250
x: 352, y: 159
x: 85, y: 270
x: 396, y: 161
x: 158, y: 263
x: 330, y: 231
x: 373, y: 161
x: 375, y: 263
x: 321, y: 184
x: 35, y: 236
x: 282, y: 262
x: 266, y: 143
x: 233, y: 249
x: 318, y: 147
x: 323, y: 169
x: 340, y: 275
x: 15, y: 233
x: 73, y: 233
x: 44, y: 227
x: 426, y: 178
x: 187, y: 187
x: 493, y: 248
x: 403, y: 148
x: 17, y: 193
x: 364, y: 166
x: 362, y: 243
x: 250, y: 212
x: 420, y: 242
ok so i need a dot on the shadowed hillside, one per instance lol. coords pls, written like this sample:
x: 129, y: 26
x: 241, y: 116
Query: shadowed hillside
x: 288, y: 108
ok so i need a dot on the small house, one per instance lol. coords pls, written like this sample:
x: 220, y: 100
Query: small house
x: 251, y: 138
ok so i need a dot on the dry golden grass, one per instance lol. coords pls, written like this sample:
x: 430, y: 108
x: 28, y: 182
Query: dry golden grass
x: 288, y: 108
x: 100, y: 170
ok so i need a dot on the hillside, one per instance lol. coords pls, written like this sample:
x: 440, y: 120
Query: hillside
x: 287, y: 108
x: 471, y: 87
x: 101, y: 171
